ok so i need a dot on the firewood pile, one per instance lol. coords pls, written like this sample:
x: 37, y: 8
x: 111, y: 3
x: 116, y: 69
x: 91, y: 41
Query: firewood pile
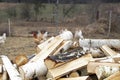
x: 63, y: 58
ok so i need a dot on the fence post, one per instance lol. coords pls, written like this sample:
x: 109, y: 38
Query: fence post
x: 9, y: 27
x: 109, y: 23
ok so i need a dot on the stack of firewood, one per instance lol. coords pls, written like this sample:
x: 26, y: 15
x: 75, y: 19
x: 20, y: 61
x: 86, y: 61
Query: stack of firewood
x: 59, y: 58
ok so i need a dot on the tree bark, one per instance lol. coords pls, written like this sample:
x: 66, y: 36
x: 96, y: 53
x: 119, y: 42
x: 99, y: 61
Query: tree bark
x: 33, y: 69
x: 96, y: 43
x: 92, y: 65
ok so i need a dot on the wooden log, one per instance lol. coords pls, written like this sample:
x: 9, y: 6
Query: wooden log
x: 64, y: 46
x: 103, y: 72
x: 68, y: 67
x: 5, y: 76
x: 49, y: 63
x: 96, y: 43
x: 12, y: 72
x: 21, y: 60
x: 108, y: 51
x: 43, y: 45
x: 74, y: 74
x: 92, y: 65
x: 115, y: 58
x: 41, y: 78
x: 36, y: 67
x: 1, y: 76
x: 115, y: 76
x: 77, y: 78
x: 49, y: 49
x: 1, y: 68
x: 52, y: 64
x: 33, y: 69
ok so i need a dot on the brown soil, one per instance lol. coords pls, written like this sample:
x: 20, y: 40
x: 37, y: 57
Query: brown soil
x: 17, y: 45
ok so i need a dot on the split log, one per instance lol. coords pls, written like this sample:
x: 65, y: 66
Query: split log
x: 33, y: 69
x: 77, y: 78
x: 74, y: 74
x: 52, y: 64
x: 103, y: 72
x: 49, y: 49
x: 43, y: 45
x: 64, y: 46
x: 115, y: 76
x: 12, y: 72
x: 92, y: 65
x: 36, y: 67
x: 41, y: 78
x: 49, y: 63
x: 59, y: 71
x: 21, y: 60
x: 108, y: 51
x: 115, y: 58
x: 96, y: 43
x: 1, y: 68
x: 5, y: 76
x: 1, y: 76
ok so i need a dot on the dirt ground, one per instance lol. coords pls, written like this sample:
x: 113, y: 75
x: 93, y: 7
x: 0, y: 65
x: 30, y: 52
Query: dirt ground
x: 17, y: 45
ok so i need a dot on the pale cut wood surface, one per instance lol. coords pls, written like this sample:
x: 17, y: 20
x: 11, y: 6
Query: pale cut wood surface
x: 74, y: 74
x: 92, y: 65
x: 115, y: 76
x: 49, y: 63
x: 43, y: 45
x: 49, y: 49
x: 1, y: 68
x: 70, y: 66
x: 12, y: 72
x: 77, y: 78
x: 108, y: 51
x: 64, y: 43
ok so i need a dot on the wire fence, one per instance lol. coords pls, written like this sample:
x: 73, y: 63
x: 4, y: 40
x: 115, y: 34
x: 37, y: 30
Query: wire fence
x: 54, y: 17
